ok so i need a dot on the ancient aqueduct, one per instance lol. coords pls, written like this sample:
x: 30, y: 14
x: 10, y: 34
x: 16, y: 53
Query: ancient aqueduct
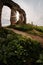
x: 14, y: 7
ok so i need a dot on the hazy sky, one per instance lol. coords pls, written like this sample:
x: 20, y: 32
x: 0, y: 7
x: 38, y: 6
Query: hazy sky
x: 33, y: 9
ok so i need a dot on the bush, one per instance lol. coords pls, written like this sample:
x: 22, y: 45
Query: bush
x: 17, y: 50
x: 39, y: 28
x: 24, y: 27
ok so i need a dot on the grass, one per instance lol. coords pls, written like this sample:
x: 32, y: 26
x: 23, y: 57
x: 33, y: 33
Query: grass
x: 39, y: 28
x: 16, y: 49
x: 31, y: 29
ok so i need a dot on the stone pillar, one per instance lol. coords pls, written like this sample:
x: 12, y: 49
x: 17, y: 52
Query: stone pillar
x: 0, y: 13
x: 13, y: 17
x: 24, y: 15
x: 21, y: 18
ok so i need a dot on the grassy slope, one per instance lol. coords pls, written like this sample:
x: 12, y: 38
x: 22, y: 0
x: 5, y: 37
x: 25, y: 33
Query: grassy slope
x: 31, y: 29
x: 15, y: 49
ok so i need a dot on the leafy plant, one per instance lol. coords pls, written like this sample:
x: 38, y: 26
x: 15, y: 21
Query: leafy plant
x: 16, y: 49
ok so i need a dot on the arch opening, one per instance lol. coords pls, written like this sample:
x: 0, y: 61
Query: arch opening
x: 5, y: 17
x: 17, y: 15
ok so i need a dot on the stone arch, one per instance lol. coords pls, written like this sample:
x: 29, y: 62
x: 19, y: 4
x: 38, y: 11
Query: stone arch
x: 22, y: 17
x: 14, y: 7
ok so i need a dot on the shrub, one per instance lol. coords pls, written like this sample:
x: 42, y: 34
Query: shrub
x: 24, y: 27
x: 17, y: 50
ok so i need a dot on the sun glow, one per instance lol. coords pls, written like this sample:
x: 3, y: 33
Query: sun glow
x: 17, y: 15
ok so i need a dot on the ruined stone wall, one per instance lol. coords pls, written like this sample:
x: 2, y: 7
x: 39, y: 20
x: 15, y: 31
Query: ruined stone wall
x: 14, y: 7
x: 22, y: 16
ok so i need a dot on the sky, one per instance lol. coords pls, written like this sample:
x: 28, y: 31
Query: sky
x: 33, y: 9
